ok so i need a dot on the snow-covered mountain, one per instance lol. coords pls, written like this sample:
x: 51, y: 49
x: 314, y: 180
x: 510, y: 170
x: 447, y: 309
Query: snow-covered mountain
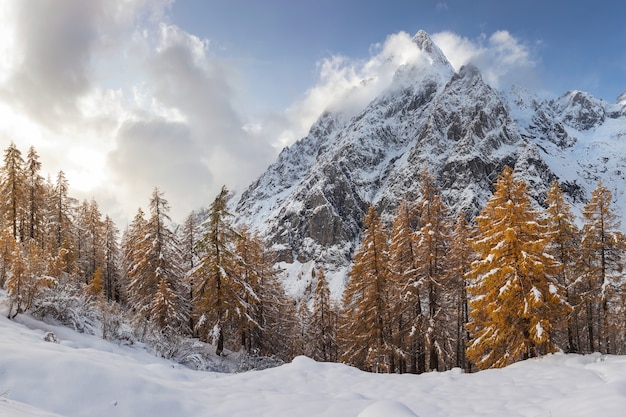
x: 310, y: 203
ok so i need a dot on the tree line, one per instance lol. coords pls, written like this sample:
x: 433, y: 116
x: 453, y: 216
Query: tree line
x: 431, y: 292
x: 436, y: 292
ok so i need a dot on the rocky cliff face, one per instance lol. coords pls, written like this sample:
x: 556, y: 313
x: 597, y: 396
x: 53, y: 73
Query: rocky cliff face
x: 310, y: 203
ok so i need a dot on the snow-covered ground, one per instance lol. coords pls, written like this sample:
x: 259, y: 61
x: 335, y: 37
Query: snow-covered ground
x: 85, y: 376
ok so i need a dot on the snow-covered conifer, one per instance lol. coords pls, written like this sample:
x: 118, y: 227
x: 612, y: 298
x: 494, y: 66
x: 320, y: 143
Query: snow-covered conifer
x: 365, y: 323
x: 602, y: 248
x: 516, y: 301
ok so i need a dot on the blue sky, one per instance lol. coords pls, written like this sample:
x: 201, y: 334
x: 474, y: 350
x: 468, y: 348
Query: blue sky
x: 577, y: 45
x: 188, y: 95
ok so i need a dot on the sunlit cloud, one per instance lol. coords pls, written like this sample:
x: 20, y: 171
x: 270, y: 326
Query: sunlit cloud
x: 122, y: 100
x: 348, y: 85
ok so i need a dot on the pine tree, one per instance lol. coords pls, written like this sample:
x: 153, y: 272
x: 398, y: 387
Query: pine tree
x: 602, y: 249
x: 405, y: 288
x: 323, y: 318
x: 366, y: 326
x: 12, y: 189
x: 516, y: 302
x: 564, y: 247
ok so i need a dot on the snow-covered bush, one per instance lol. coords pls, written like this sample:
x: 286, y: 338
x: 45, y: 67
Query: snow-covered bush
x: 252, y: 361
x: 67, y: 305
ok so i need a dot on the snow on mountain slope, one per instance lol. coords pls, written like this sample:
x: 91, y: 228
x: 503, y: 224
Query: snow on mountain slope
x: 581, y: 139
x: 85, y: 376
x: 310, y: 203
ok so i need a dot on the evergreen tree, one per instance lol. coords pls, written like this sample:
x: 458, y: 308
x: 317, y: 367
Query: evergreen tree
x: 516, y: 302
x: 366, y: 326
x: 602, y: 256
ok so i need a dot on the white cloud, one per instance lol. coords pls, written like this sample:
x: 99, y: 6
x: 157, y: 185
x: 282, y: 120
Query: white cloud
x: 348, y: 85
x: 122, y: 101
x: 345, y: 85
x: 501, y: 58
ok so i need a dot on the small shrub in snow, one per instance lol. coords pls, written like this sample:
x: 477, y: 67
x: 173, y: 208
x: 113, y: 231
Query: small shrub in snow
x: 51, y: 337
x: 252, y: 361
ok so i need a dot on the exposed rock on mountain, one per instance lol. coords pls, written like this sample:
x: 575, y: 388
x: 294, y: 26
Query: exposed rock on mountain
x: 310, y: 203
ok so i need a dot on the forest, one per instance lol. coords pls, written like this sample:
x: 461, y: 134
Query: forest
x: 430, y: 291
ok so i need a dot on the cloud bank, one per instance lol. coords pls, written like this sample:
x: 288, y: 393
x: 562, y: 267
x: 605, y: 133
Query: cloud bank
x: 121, y: 100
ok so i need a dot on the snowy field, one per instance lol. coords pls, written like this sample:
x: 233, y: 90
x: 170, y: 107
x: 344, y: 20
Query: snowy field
x: 85, y: 376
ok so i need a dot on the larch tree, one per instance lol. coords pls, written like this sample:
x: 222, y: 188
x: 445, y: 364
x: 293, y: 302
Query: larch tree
x: 516, y: 301
x: 460, y: 258
x: 323, y: 318
x: 7, y: 252
x: 366, y: 327
x: 112, y: 259
x: 27, y: 278
x: 564, y: 246
x: 405, y: 293
x: 602, y: 248
x: 262, y: 297
x: 189, y: 237
x: 88, y: 238
x: 156, y: 287
x: 35, y: 204
x: 135, y: 276
x: 12, y: 189
x: 431, y: 251
x: 217, y: 295
x: 62, y: 212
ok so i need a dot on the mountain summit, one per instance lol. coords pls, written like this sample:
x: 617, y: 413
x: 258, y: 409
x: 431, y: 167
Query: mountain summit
x: 310, y: 203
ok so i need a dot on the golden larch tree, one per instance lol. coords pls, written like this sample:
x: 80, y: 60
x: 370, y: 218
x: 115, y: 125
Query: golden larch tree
x: 516, y: 302
x: 365, y: 328
x: 602, y: 263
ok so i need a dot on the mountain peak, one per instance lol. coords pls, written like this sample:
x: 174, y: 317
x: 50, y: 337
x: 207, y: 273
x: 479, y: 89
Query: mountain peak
x: 621, y: 100
x: 425, y: 44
